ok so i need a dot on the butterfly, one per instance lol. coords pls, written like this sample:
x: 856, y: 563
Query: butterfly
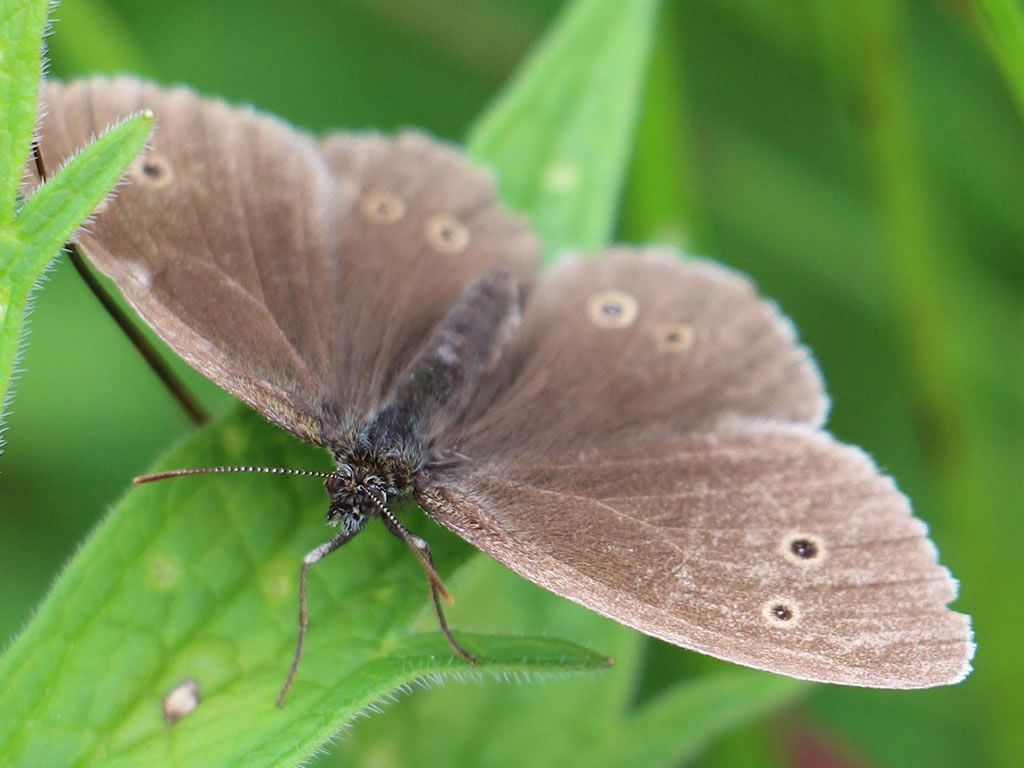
x: 636, y: 432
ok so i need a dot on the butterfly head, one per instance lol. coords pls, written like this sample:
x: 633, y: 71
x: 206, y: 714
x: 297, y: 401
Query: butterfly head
x: 355, y: 497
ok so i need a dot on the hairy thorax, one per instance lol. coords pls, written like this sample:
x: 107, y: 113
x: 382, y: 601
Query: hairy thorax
x: 372, y: 469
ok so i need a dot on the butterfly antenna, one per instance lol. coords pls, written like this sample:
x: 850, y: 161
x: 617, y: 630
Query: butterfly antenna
x: 230, y: 470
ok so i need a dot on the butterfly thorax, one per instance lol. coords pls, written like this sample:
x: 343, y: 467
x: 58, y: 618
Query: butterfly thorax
x: 378, y: 457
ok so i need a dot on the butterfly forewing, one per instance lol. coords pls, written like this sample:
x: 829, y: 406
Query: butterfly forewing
x: 216, y: 227
x: 301, y: 276
x: 424, y: 226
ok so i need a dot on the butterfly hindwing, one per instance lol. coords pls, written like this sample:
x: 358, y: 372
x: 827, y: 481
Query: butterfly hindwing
x: 770, y: 546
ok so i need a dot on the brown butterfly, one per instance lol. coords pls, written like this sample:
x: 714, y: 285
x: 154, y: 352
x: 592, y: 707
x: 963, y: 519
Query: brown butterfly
x: 636, y: 432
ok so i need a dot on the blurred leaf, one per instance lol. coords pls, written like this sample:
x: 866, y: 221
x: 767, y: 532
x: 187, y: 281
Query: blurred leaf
x: 663, y: 206
x: 675, y: 726
x: 1003, y: 25
x: 561, y: 133
x: 33, y: 233
x: 325, y: 64
x: 100, y: 41
x: 196, y: 580
x: 496, y: 45
x: 932, y: 316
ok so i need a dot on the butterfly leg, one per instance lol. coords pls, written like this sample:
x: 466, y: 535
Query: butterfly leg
x: 308, y: 561
x: 421, y: 549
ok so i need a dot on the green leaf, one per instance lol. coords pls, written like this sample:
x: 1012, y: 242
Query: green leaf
x: 31, y: 238
x: 586, y: 722
x: 677, y: 725
x: 21, y: 33
x: 561, y: 134
x: 660, y: 204
x: 938, y: 327
x: 1002, y: 23
x: 197, y: 580
x: 491, y: 596
x: 98, y: 20
x: 50, y: 217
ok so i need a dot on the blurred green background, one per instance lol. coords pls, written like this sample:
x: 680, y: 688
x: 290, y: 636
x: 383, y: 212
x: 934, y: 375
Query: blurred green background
x: 862, y: 160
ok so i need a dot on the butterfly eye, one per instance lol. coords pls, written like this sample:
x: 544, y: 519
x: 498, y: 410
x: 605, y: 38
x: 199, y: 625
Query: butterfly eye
x: 446, y: 234
x: 780, y: 612
x: 333, y: 485
x: 152, y: 170
x: 803, y: 549
x: 612, y: 309
x: 382, y: 207
x: 673, y: 337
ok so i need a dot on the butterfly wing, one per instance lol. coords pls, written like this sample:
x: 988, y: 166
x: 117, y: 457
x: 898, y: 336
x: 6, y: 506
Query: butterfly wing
x: 678, y: 485
x: 423, y: 226
x: 642, y: 342
x: 698, y: 541
x: 214, y: 223
x: 268, y: 264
